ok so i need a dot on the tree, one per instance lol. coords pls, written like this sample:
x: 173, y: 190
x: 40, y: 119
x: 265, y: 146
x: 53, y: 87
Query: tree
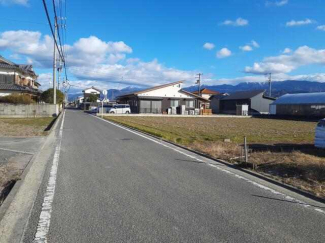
x: 92, y: 98
x: 47, y: 96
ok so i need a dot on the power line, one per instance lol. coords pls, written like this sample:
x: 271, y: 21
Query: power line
x: 59, y: 36
x: 56, y: 18
x: 52, y: 31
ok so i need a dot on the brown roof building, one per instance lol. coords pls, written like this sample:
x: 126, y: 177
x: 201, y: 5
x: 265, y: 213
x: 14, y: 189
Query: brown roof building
x: 206, y: 93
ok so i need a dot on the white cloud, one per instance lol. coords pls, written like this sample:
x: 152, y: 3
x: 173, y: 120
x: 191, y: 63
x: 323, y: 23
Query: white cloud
x: 303, y: 56
x: 224, y: 52
x: 208, y: 46
x: 293, y: 23
x: 91, y: 59
x: 321, y: 27
x: 45, y: 79
x: 255, y: 44
x: 287, y: 50
x: 249, y: 47
x: 18, y: 2
x: 238, y: 22
x: 246, y: 48
x: 28, y: 43
x: 279, y: 3
x: 136, y: 73
x: 85, y: 51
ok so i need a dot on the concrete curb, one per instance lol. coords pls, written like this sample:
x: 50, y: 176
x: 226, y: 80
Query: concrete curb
x: 250, y: 172
x: 16, y: 209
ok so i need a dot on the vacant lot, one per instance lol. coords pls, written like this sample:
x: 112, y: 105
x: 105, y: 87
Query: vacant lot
x: 24, y: 127
x: 189, y: 130
x: 282, y: 149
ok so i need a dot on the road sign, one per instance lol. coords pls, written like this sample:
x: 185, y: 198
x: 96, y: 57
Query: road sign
x: 104, y: 92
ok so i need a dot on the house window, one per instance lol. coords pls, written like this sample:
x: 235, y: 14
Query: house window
x: 174, y: 103
x: 189, y: 103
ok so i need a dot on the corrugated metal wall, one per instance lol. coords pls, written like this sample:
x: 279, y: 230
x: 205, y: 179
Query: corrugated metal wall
x: 301, y: 110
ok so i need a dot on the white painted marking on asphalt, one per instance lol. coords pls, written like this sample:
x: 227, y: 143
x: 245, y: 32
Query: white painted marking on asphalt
x: 16, y: 151
x: 45, y: 216
x: 219, y: 168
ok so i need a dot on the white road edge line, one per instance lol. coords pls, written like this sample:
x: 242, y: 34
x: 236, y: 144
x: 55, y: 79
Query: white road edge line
x: 16, y: 151
x: 286, y: 197
x: 45, y: 216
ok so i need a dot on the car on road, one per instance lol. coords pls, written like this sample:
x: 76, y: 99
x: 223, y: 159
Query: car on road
x: 118, y: 109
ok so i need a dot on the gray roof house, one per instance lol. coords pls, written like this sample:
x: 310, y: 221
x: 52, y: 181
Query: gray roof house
x: 15, y: 78
x: 257, y: 101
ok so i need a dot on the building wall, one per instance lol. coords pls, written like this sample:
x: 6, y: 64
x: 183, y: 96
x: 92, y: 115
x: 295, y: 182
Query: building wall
x: 230, y: 106
x: 7, y: 79
x: 215, y: 106
x: 260, y: 104
x: 308, y: 110
x: 168, y: 92
x: 165, y: 104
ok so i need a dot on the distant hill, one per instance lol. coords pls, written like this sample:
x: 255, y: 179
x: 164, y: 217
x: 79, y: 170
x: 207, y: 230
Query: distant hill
x: 113, y: 93
x: 278, y: 87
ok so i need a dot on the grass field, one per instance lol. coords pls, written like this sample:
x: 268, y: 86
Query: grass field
x: 303, y: 167
x: 189, y: 130
x: 24, y: 127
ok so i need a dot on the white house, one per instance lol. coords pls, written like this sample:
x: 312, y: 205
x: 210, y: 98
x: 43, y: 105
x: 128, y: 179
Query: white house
x: 158, y: 99
x: 89, y: 91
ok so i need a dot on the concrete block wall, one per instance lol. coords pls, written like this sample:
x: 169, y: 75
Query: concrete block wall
x: 32, y: 110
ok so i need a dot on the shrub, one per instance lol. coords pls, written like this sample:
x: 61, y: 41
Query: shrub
x: 17, y: 99
x: 92, y: 98
x: 47, y: 96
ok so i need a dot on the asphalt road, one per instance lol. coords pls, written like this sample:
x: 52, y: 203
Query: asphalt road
x: 116, y: 186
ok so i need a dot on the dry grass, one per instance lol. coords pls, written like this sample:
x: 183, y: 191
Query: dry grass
x: 24, y: 127
x: 304, y: 169
x: 189, y: 130
x: 8, y: 173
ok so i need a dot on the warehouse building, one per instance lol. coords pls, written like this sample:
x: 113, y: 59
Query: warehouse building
x: 306, y: 104
x: 255, y: 101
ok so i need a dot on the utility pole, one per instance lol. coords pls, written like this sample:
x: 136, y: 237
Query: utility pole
x: 54, y: 62
x: 270, y: 84
x: 59, y: 73
x: 199, y: 83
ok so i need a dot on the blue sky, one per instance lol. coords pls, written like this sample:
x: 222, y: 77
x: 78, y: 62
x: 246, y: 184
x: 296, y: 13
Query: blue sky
x: 113, y: 44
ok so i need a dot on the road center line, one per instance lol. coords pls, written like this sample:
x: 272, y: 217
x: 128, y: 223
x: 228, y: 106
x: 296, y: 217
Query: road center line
x: 306, y: 205
x: 45, y: 216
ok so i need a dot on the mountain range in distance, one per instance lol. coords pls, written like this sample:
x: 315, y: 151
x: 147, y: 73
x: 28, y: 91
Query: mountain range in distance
x: 279, y: 88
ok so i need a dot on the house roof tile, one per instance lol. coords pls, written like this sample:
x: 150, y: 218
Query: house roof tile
x: 207, y: 91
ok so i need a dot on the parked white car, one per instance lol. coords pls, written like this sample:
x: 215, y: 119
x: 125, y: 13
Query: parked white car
x: 118, y: 109
x: 320, y: 134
